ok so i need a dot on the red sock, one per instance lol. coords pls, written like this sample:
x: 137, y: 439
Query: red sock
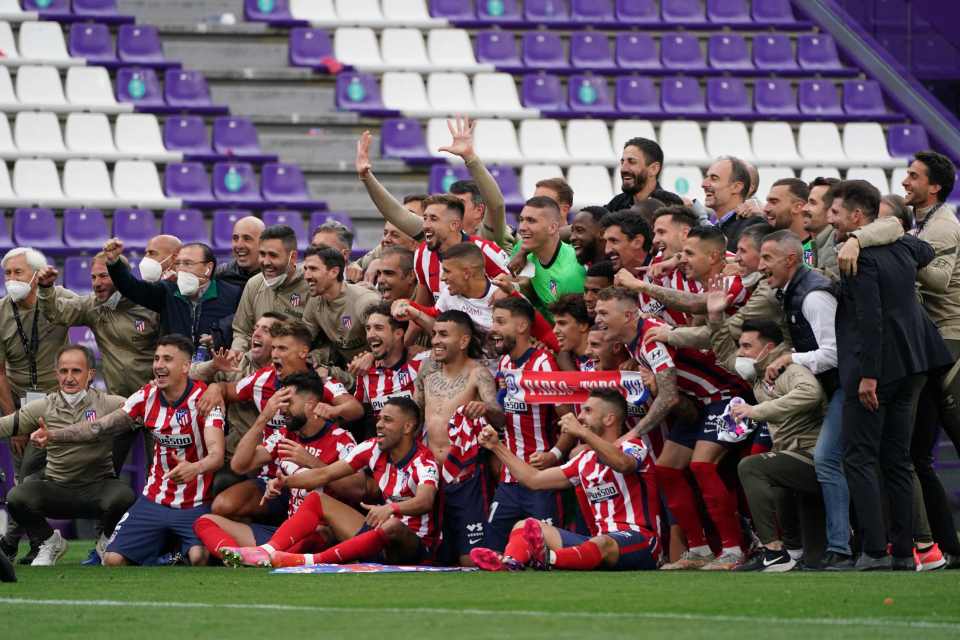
x: 682, y: 503
x: 300, y: 525
x: 582, y: 557
x: 314, y: 543
x: 721, y: 503
x: 367, y: 544
x: 213, y: 536
x: 517, y: 547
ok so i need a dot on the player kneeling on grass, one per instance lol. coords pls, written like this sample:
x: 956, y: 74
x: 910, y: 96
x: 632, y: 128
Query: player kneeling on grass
x: 618, y: 480
x: 403, y: 530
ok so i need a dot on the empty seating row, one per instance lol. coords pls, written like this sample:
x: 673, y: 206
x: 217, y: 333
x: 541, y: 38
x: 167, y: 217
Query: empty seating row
x: 237, y: 183
x: 683, y: 142
x: 404, y: 48
x: 43, y: 43
x: 451, y: 92
x: 346, y: 12
x: 62, y: 10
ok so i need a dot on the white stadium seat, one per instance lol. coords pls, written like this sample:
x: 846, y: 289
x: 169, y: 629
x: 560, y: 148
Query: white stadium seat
x: 37, y: 133
x: 404, y: 91
x: 809, y: 174
x: 90, y: 89
x: 450, y: 93
x: 8, y: 44
x: 495, y: 94
x: 874, y: 175
x: 43, y: 43
x: 138, y: 136
x: 729, y: 139
x: 865, y: 142
x: 591, y: 185
x: 403, y: 49
x: 8, y: 98
x: 7, y: 148
x: 686, y: 182
x: 819, y: 142
x: 542, y: 141
x: 451, y: 49
x: 40, y: 88
x: 531, y: 174
x: 496, y: 139
x: 589, y: 141
x: 36, y: 182
x: 411, y: 13
x: 769, y: 175
x: 682, y: 143
x: 773, y: 143
x: 357, y: 46
x: 362, y: 12
x: 7, y: 196
x: 88, y: 183
x: 896, y: 181
x: 315, y: 11
x: 438, y: 135
x: 624, y: 130
x: 89, y: 135
x: 137, y: 182
x: 12, y: 11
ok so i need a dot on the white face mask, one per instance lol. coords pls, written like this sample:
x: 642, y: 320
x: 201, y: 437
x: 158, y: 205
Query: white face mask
x: 18, y: 290
x: 275, y: 281
x: 746, y: 368
x: 188, y: 283
x: 150, y: 270
x: 74, y: 398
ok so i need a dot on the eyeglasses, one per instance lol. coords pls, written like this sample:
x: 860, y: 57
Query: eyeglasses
x: 189, y: 264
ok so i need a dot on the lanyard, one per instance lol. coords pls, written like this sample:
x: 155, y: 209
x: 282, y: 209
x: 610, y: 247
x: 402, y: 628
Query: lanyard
x: 923, y: 222
x: 33, y: 345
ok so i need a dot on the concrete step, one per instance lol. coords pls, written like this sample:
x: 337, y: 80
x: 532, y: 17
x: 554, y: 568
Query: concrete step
x: 180, y: 11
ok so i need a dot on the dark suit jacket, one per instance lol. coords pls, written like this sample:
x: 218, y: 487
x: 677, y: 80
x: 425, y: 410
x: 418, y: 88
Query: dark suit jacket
x: 734, y: 226
x: 883, y: 331
x: 626, y: 201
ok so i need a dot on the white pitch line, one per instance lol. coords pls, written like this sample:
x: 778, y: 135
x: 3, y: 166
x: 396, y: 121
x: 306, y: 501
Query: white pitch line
x: 611, y: 615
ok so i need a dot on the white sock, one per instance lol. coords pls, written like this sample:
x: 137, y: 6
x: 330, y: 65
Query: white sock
x: 795, y: 554
x: 267, y: 548
x: 735, y: 551
x: 702, y: 550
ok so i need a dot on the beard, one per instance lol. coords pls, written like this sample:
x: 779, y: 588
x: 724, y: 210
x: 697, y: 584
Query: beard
x: 639, y: 182
x: 295, y: 423
x: 505, y: 345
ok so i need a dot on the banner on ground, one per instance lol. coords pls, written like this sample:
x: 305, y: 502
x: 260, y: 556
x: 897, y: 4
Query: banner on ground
x: 366, y: 567
x: 568, y: 387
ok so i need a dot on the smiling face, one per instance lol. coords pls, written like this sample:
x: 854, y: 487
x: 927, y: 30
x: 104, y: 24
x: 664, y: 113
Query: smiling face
x: 505, y: 330
x: 622, y: 251
x: 634, y: 171
x: 607, y: 353
x: 393, y: 283
x: 776, y: 264
x: 668, y: 235
x: 441, y: 226
x: 698, y: 259
x: 318, y: 276
x: 392, y: 426
x: 100, y: 279
x: 261, y: 342
x: 456, y: 274
x: 592, y: 285
x: 288, y: 355
x: 245, y: 242
x: 720, y: 193
x: 170, y: 367
x: 844, y: 220
x: 569, y: 332
x: 537, y: 227
x: 585, y: 233
x: 274, y: 259
x: 917, y: 186
x: 393, y: 237
x: 593, y: 413
x: 815, y: 211
x: 381, y: 336
x: 617, y: 318
x: 73, y: 374
x: 449, y: 342
x: 781, y: 207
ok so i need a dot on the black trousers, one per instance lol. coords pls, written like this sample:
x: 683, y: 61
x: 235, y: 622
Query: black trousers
x: 877, y: 453
x: 33, y: 501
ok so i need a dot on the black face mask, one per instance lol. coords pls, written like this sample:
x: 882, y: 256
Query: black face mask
x: 295, y: 423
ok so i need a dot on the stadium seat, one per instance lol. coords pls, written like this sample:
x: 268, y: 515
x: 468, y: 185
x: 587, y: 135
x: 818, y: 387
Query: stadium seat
x: 8, y: 43
x: 442, y: 176
x: 624, y: 130
x: 498, y: 48
x: 313, y: 10
x: 450, y: 92
x: 637, y: 52
x: 809, y: 174
x: 317, y: 218
x: 89, y: 88
x: 817, y: 52
x: 686, y: 182
x: 42, y: 42
x: 874, y: 175
x: 283, y: 183
x: 729, y: 139
x: 294, y: 220
x: 185, y: 134
x: 543, y: 50
x: 904, y: 140
x: 140, y: 87
x: 682, y: 143
x: 403, y: 138
x: 84, y: 229
x: 685, y: 12
x: 498, y: 11
x: 37, y: 182
x: 12, y: 11
x: 451, y: 49
x: 897, y: 177
x: 682, y: 52
x: 819, y: 98
x: 53, y: 9
x: 438, y: 135
x: 682, y: 95
x: 598, y: 12
x: 186, y: 224
x: 137, y: 181
x: 234, y: 136
x: 7, y: 148
x: 309, y: 47
x: 820, y: 142
x: 357, y: 46
x: 509, y: 185
x: 637, y: 12
x: 40, y: 88
x: 776, y: 12
x: 774, y: 97
x: 134, y: 227
x: 8, y: 98
x: 591, y: 185
x: 863, y: 98
x: 36, y: 228
x: 138, y: 135
x: 545, y: 11
x: 589, y: 141
x: 496, y: 94
x: 590, y: 50
x: 87, y: 183
x: 188, y: 181
x: 589, y: 94
x: 104, y: 10
x: 37, y: 133
x: 773, y: 143
x: 222, y: 232
x: 408, y: 12
x: 542, y: 141
x: 864, y: 142
x: 728, y: 97
x: 728, y: 12
x: 91, y: 41
x: 358, y: 91
x: 544, y: 92
x: 637, y: 95
x: 404, y: 49
x: 89, y: 135
x: 187, y: 90
x: 531, y: 174
x: 76, y: 274
x: 728, y: 52
x: 496, y: 140
x: 769, y: 175
x: 359, y: 11
x: 773, y: 52
x: 404, y: 91
x: 6, y: 187
x: 140, y: 45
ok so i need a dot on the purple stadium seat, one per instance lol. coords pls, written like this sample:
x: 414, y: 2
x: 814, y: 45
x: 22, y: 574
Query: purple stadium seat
x: 774, y: 97
x: 682, y: 12
x: 634, y: 12
x: 6, y: 242
x: 542, y: 91
x: 234, y: 136
x: 637, y: 95
x: 637, y: 51
x: 897, y: 47
x: 273, y: 11
x: 589, y: 94
x: 310, y: 47
x: 139, y: 86
x: 452, y: 9
x: 283, y: 182
x: 818, y: 97
x: 546, y: 11
x: 543, y: 50
x: 92, y: 41
x: 817, y: 52
x: 728, y: 11
x: 235, y: 182
x: 509, y: 184
x: 84, y: 229
x: 187, y: 90
x: 904, y: 140
x: 403, y: 138
x: 773, y: 52
x: 358, y: 92
x: 499, y: 11
x: 48, y: 8
x: 223, y: 221
x: 498, y: 48
x: 294, y: 220
x: 728, y: 52
x: 863, y: 98
x: 140, y: 44
x: 592, y: 11
x: 187, y: 134
x: 36, y: 228
x: 728, y: 96
x: 682, y: 52
x: 773, y: 12
x: 76, y: 275
x: 682, y: 95
x: 591, y: 50
x: 134, y: 226
x: 187, y: 180
x: 317, y: 218
x: 444, y: 175
x: 186, y: 224
x: 96, y: 9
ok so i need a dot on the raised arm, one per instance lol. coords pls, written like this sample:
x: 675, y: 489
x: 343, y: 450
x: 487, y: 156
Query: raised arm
x: 152, y: 295
x: 59, y: 309
x: 389, y: 207
x: 537, y: 480
x: 609, y: 452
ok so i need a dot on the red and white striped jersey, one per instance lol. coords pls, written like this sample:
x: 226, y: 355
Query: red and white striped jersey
x: 426, y: 263
x: 531, y: 428
x: 379, y: 384
x: 584, y: 363
x: 463, y: 458
x: 259, y: 387
x: 618, y: 501
x: 177, y: 435
x: 480, y: 309
x: 400, y: 482
x: 737, y: 292
x: 330, y: 444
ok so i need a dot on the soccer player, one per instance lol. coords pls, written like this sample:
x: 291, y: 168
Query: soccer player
x: 304, y: 442
x: 628, y: 240
x: 599, y: 277
x: 571, y: 326
x: 188, y: 450
x: 616, y: 476
x: 402, y: 530
x: 586, y: 235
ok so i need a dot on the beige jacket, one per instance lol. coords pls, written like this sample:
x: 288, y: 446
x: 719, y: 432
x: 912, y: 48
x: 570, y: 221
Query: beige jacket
x: 290, y: 298
x: 50, y: 338
x: 825, y: 252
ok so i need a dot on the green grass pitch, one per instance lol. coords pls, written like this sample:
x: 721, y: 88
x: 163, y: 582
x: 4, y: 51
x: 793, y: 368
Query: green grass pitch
x: 71, y: 601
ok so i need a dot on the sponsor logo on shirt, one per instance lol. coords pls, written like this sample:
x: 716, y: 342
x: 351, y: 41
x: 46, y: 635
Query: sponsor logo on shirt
x: 380, y: 402
x: 602, y: 492
x: 181, y: 441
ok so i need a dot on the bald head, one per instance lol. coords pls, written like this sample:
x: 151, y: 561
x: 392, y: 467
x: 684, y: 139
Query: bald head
x: 245, y: 242
x: 163, y: 249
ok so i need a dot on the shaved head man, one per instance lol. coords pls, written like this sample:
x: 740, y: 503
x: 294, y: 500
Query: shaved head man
x: 159, y: 256
x: 245, y: 244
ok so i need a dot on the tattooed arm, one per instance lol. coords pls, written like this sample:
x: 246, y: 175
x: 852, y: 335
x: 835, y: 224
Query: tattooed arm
x: 113, y: 423
x: 487, y: 390
x: 666, y: 399
x: 684, y: 301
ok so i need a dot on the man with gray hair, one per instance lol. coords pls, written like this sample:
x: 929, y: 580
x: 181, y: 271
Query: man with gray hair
x: 245, y: 245
x: 725, y: 188
x: 333, y: 233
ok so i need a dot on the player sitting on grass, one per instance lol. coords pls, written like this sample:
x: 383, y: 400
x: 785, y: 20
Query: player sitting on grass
x: 620, y: 486
x: 403, y: 530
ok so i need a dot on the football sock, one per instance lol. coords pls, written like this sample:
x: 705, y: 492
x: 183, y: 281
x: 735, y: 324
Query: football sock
x: 365, y: 545
x: 682, y: 504
x: 298, y: 526
x: 213, y: 536
x: 721, y: 503
x: 582, y: 557
x: 517, y: 547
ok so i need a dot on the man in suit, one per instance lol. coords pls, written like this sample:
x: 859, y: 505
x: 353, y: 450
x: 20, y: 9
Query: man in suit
x: 887, y: 344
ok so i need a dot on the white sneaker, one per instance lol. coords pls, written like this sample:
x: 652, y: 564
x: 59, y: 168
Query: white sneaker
x: 689, y: 560
x: 725, y: 562
x: 51, y: 550
x: 101, y: 547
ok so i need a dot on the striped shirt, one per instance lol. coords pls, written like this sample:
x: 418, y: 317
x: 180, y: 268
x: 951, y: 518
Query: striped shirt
x: 379, y: 384
x: 426, y: 263
x: 529, y: 429
x: 328, y: 445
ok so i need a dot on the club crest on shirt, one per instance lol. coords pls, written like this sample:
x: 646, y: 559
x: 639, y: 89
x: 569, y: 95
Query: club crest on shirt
x: 140, y: 326
x: 182, y: 416
x: 553, y: 287
x: 403, y: 378
x: 294, y: 299
x: 90, y: 415
x: 346, y: 322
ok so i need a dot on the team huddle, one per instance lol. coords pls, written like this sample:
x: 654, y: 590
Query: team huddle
x: 650, y: 384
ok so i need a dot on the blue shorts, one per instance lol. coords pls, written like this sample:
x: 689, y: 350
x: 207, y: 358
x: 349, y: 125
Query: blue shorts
x: 144, y: 531
x: 686, y: 434
x: 512, y: 503
x: 635, y: 548
x: 423, y: 554
x: 464, y: 513
x: 262, y: 532
x: 276, y: 506
x: 761, y: 437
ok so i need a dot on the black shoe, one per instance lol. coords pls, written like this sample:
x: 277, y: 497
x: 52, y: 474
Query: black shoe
x: 833, y: 561
x: 34, y: 550
x: 753, y: 563
x: 9, y: 549
x: 953, y: 561
x: 7, y: 572
x: 769, y: 561
x: 804, y: 565
x: 866, y: 562
x: 903, y: 564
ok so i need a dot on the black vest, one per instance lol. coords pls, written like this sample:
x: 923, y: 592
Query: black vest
x: 804, y: 282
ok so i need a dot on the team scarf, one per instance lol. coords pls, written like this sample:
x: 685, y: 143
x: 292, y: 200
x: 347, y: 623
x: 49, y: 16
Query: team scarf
x: 569, y: 387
